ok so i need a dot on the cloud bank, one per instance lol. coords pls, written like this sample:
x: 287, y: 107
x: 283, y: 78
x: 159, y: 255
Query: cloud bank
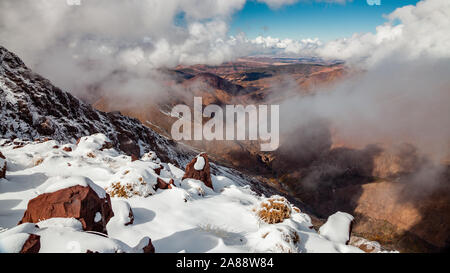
x: 118, y: 46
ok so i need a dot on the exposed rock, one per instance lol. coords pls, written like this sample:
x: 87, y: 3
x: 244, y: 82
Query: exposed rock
x: 62, y: 117
x: 129, y: 146
x: 149, y: 248
x: 399, y: 160
x: 2, y: 166
x: 163, y: 184
x: 158, y: 170
x: 81, y: 203
x: 365, y: 245
x: 391, y: 217
x: 32, y: 244
x: 201, y: 172
x: 67, y: 149
x: 107, y: 145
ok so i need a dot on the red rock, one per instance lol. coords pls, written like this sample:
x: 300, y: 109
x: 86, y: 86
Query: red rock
x: 107, y: 145
x: 67, y: 149
x: 81, y: 203
x: 2, y: 168
x: 163, y: 184
x: 158, y: 170
x: 149, y: 248
x: 32, y: 244
x: 134, y: 158
x: 131, y: 217
x: 202, y: 175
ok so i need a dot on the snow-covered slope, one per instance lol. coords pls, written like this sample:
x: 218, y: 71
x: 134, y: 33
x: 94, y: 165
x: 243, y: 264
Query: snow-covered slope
x: 189, y: 217
x: 31, y: 107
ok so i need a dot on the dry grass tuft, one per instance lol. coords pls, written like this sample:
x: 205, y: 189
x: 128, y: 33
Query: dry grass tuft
x: 91, y: 155
x: 119, y: 190
x: 38, y: 161
x: 127, y: 190
x: 274, y: 210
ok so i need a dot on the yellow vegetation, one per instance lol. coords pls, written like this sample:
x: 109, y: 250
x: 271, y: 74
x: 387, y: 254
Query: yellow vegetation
x: 274, y: 210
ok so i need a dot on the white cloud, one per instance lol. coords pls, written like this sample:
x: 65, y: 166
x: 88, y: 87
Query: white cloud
x: 412, y: 32
x: 275, y: 4
x: 289, y: 46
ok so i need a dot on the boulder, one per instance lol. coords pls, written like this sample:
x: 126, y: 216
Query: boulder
x: 161, y: 184
x: 149, y: 248
x: 159, y: 169
x: 32, y: 244
x: 199, y: 169
x: 2, y: 166
x: 80, y: 202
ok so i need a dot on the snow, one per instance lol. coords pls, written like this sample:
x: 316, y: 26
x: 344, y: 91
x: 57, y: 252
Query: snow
x: 199, y: 163
x: 98, y: 217
x: 13, y: 243
x: 121, y: 209
x: 188, y: 218
x: 337, y: 227
x: 61, y: 223
x: 59, y: 183
x: 2, y: 163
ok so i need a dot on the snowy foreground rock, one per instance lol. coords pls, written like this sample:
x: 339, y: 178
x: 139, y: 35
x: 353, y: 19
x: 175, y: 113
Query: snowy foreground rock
x: 149, y: 199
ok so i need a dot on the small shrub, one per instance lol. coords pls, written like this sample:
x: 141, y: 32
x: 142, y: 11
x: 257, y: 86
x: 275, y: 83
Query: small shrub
x: 274, y: 210
x: 118, y: 190
x: 38, y: 161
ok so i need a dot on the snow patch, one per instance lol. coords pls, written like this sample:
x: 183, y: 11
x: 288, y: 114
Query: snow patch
x: 98, y: 217
x: 71, y: 223
x: 13, y: 243
x: 199, y: 163
x: 337, y: 227
x: 59, y: 183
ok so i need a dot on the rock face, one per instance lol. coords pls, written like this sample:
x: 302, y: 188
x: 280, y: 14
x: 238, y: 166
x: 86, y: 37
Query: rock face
x: 32, y: 107
x: 81, y: 203
x: 149, y: 248
x: 2, y: 166
x: 163, y: 185
x: 199, y: 169
x: 32, y: 244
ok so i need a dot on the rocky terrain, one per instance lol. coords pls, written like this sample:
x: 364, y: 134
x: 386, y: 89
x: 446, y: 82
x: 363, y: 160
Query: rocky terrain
x: 377, y: 183
x: 75, y: 179
x: 107, y: 149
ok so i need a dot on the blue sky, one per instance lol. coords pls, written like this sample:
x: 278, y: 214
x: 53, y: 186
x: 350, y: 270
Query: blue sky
x: 309, y: 19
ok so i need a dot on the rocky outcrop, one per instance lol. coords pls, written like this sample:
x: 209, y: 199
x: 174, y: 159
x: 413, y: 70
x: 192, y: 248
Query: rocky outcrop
x: 2, y: 166
x: 199, y: 169
x: 81, y: 203
x: 149, y: 248
x: 32, y: 107
x: 163, y: 185
x: 32, y: 244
